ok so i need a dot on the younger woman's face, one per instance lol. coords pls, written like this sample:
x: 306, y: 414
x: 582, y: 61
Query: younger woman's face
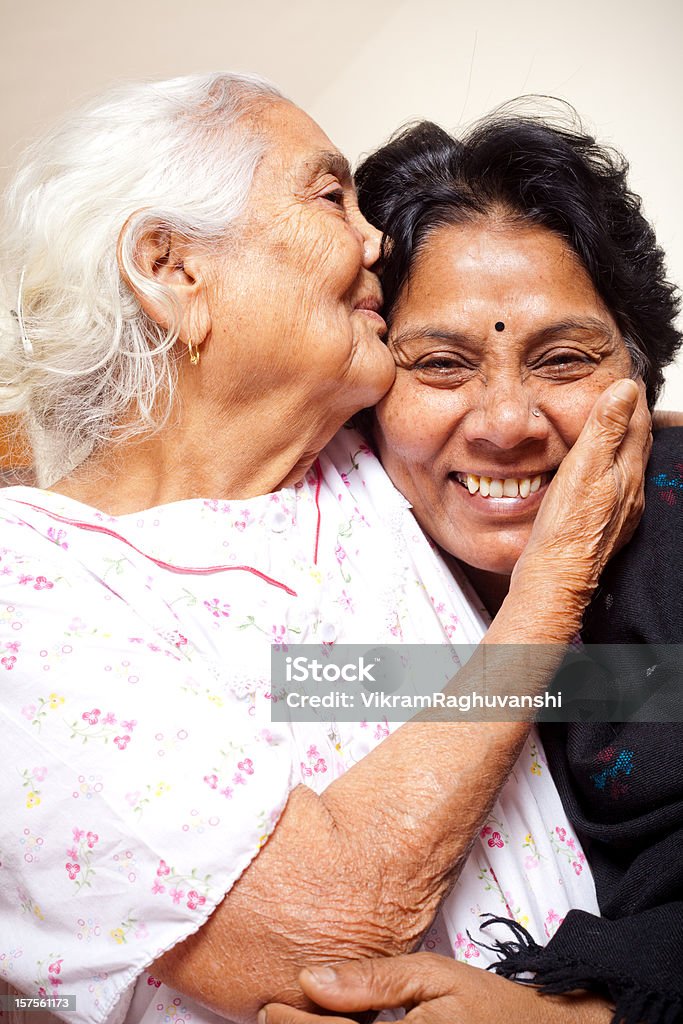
x: 502, y: 345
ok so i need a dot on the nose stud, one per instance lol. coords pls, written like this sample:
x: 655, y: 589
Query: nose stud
x: 535, y: 412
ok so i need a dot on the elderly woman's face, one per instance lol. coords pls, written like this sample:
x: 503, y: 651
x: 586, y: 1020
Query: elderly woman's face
x: 502, y: 346
x: 297, y: 300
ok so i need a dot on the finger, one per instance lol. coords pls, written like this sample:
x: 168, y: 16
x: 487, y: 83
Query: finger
x: 609, y: 419
x: 279, y: 1013
x: 380, y: 983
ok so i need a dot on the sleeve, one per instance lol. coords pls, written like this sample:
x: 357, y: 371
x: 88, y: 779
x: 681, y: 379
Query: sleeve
x: 135, y: 787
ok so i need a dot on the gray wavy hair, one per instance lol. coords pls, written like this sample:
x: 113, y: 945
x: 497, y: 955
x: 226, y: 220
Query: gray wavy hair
x: 77, y: 352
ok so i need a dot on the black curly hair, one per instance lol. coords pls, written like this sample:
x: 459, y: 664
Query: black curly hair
x: 529, y: 169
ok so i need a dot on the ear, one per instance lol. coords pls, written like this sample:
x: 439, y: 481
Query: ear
x: 167, y: 275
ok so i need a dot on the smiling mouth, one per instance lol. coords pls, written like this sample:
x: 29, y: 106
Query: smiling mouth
x: 503, y: 487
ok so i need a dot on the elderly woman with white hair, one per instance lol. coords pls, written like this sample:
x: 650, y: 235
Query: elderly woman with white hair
x: 197, y: 316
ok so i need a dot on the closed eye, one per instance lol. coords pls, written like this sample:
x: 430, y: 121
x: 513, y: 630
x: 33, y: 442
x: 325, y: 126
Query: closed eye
x: 335, y: 196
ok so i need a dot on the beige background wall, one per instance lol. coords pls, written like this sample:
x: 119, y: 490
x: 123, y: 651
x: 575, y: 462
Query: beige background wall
x: 363, y: 68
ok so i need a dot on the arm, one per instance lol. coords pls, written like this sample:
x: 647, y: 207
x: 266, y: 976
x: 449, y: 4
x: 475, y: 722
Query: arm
x: 662, y: 418
x: 441, y: 991
x: 362, y: 869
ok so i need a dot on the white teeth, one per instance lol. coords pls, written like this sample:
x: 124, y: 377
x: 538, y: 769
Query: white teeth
x: 494, y: 487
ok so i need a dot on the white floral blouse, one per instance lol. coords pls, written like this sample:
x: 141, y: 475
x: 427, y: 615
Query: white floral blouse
x: 142, y: 772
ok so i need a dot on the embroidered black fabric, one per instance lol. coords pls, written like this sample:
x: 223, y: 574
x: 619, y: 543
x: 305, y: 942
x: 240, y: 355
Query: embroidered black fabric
x: 622, y: 787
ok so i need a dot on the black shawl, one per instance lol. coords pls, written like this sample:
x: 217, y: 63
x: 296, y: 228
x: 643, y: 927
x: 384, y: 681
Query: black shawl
x: 622, y: 784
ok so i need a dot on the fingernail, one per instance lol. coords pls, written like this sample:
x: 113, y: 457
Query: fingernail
x: 626, y: 390
x: 262, y: 1016
x: 323, y: 975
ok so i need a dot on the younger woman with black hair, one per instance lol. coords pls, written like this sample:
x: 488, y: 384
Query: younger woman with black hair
x: 521, y: 278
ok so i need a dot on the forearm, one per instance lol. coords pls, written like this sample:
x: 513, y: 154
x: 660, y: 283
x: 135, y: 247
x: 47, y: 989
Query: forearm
x: 361, y: 869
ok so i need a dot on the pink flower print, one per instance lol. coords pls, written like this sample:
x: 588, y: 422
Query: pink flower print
x: 29, y: 711
x: 40, y: 773
x: 92, y: 838
x: 278, y: 638
x: 42, y: 583
x: 241, y: 526
x: 72, y: 854
x: 122, y: 741
x: 530, y: 862
x: 238, y: 780
x: 211, y: 781
x: 305, y: 770
x: 56, y: 967
x: 13, y: 645
x: 42, y: 991
x: 8, y: 662
x: 176, y: 894
x: 571, y: 843
x: 109, y: 718
x: 582, y: 858
x: 381, y: 731
x: 578, y: 868
x: 218, y: 608
x: 72, y: 869
x: 227, y: 792
x: 312, y: 753
x: 78, y: 834
x: 153, y: 981
x: 562, y: 833
x: 158, y: 887
x: 54, y: 981
x: 471, y: 951
x: 246, y: 766
x: 194, y: 900
x: 129, y: 726
x: 57, y: 537
x: 163, y: 868
x: 23, y: 580
x: 340, y: 553
x: 486, y: 831
x: 91, y: 717
x: 496, y: 840
x: 320, y: 766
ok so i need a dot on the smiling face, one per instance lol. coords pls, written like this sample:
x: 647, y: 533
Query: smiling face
x: 294, y: 302
x: 480, y: 417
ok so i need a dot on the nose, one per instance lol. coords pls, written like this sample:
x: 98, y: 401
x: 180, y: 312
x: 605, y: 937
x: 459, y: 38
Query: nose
x: 372, y: 242
x: 505, y: 418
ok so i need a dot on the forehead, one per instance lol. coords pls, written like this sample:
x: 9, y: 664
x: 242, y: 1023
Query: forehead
x: 298, y: 148
x: 514, y: 267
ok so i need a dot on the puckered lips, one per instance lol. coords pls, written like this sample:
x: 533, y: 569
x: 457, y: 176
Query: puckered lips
x: 370, y: 305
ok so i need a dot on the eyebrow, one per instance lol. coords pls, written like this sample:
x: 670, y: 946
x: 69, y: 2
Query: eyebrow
x: 589, y: 324
x: 330, y: 163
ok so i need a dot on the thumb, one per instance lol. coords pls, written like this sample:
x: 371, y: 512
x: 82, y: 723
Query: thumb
x: 381, y: 983
x: 610, y: 416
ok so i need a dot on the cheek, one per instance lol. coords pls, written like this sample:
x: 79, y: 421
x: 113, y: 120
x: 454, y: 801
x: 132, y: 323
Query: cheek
x: 571, y: 406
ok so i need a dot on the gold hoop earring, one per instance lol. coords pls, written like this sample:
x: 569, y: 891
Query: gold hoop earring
x: 194, y: 352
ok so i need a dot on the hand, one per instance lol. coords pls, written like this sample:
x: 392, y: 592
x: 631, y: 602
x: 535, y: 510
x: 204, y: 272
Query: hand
x: 436, y: 990
x: 596, y: 499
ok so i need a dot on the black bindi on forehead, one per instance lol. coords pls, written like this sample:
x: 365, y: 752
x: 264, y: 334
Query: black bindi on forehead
x: 500, y: 326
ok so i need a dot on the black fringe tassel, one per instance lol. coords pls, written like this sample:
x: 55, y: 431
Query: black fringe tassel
x: 555, y: 976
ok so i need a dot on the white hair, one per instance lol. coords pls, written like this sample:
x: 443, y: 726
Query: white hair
x: 77, y: 352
